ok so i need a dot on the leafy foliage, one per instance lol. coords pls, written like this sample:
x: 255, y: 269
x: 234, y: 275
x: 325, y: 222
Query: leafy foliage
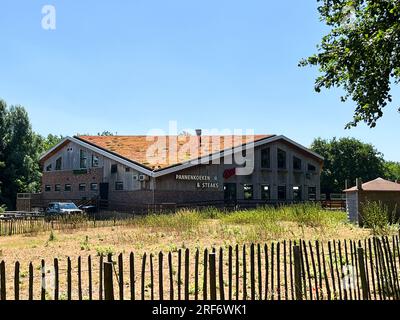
x: 347, y: 158
x: 361, y: 53
x: 392, y: 170
x: 379, y: 218
x: 19, y: 152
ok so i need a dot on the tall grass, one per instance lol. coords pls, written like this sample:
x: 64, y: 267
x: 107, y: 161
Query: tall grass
x: 377, y: 216
x: 183, y: 220
x: 305, y: 215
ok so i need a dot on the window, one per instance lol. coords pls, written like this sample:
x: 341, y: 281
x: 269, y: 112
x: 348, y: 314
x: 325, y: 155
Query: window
x: 265, y: 192
x: 127, y: 169
x: 114, y: 168
x: 312, y: 193
x: 266, y: 158
x: 119, y: 186
x: 47, y: 188
x: 82, y: 187
x: 58, y: 164
x: 296, y: 163
x: 49, y: 167
x: 68, y: 188
x: 83, y: 159
x: 57, y: 187
x: 94, y: 187
x: 282, y: 193
x: 297, y: 196
x: 95, y: 161
x: 248, y: 191
x: 311, y: 168
x: 281, y: 159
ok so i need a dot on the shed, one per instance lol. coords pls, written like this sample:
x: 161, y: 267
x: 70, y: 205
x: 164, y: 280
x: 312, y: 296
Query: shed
x: 385, y: 191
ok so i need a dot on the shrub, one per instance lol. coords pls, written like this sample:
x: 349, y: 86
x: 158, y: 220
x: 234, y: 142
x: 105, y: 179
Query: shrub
x: 3, y: 208
x: 104, y: 251
x: 376, y: 215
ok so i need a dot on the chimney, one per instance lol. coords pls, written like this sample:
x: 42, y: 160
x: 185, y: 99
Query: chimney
x: 199, y: 133
x: 346, y: 184
x: 359, y: 183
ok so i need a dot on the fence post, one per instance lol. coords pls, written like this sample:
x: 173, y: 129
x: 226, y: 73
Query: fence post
x: 297, y: 272
x: 213, y: 277
x: 364, y: 284
x: 3, y: 281
x: 108, y: 281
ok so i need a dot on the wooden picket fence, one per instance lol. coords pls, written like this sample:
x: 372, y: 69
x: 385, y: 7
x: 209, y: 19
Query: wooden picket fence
x: 288, y: 270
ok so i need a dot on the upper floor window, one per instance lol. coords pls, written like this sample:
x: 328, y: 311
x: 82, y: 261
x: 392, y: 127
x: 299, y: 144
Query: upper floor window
x: 114, y: 168
x: 296, y: 163
x: 83, y: 159
x: 49, y: 167
x: 119, y: 186
x: 311, y: 168
x: 266, y: 158
x: 59, y: 164
x: 281, y: 159
x: 95, y: 161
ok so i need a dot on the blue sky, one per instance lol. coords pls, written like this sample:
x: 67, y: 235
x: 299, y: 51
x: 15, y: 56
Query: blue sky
x: 129, y: 66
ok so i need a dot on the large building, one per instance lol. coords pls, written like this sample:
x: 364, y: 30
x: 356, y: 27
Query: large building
x: 131, y: 173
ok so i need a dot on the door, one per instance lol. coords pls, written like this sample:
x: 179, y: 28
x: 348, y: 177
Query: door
x: 104, y: 191
x: 230, y: 192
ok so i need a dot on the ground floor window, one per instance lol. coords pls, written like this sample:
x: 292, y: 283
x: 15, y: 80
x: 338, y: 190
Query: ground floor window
x: 281, y: 193
x: 68, y: 187
x: 312, y: 193
x: 265, y: 192
x: 230, y: 192
x: 94, y: 186
x: 297, y: 196
x: 82, y: 187
x: 119, y: 186
x: 57, y: 187
x: 47, y: 188
x: 248, y: 191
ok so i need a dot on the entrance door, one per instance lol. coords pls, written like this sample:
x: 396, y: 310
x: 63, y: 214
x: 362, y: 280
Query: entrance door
x: 230, y: 192
x: 104, y: 191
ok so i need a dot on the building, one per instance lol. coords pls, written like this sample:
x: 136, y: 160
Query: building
x: 131, y: 173
x: 387, y: 192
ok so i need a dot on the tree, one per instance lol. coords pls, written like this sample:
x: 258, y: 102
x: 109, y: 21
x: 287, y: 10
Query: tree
x: 20, y: 148
x: 347, y: 158
x: 361, y: 53
x: 50, y: 141
x: 392, y: 170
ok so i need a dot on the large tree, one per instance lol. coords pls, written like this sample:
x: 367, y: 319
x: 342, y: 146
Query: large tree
x: 361, y: 53
x: 347, y: 158
x: 20, y: 148
x: 392, y: 170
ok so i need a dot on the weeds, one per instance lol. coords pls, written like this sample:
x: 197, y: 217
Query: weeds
x: 377, y: 216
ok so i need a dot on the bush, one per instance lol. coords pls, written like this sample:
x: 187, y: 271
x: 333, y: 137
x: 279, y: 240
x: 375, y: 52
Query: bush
x: 3, y: 208
x: 376, y: 215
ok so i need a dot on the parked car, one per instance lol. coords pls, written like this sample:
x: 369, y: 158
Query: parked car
x: 62, y: 209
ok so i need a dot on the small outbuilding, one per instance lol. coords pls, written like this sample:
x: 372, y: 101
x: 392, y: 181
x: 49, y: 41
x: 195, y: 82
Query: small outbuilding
x: 387, y: 192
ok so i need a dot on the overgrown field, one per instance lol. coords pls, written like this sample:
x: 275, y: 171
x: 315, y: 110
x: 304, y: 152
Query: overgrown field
x: 170, y: 232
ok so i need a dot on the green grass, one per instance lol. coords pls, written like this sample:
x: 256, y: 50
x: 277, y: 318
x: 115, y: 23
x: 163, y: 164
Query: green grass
x: 306, y: 215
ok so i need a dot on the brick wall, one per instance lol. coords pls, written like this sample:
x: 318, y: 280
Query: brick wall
x: 94, y: 175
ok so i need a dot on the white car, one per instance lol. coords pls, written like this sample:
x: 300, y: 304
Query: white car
x: 62, y: 209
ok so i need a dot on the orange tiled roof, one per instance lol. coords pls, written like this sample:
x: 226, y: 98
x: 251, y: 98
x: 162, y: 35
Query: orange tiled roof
x: 144, y: 150
x: 378, y: 185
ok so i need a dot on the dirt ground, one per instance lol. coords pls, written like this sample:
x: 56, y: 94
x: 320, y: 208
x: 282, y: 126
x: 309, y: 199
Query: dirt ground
x: 139, y: 240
